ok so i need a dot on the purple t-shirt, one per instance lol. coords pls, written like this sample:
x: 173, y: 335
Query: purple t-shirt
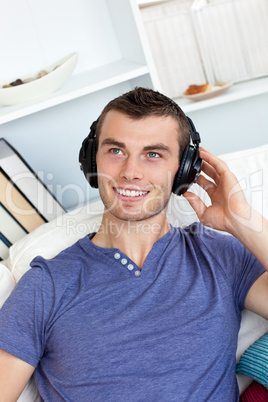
x: 97, y: 328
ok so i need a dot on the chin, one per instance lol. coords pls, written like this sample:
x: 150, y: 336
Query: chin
x: 129, y: 213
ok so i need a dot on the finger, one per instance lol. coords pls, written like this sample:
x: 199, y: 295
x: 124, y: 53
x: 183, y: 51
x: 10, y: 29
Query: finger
x: 207, y: 185
x: 219, y: 165
x: 210, y: 171
x: 196, y: 203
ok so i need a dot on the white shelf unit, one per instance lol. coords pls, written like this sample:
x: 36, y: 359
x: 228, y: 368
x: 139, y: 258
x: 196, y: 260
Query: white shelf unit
x: 114, y: 51
x: 129, y: 60
x: 77, y: 86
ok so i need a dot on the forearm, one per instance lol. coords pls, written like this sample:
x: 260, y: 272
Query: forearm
x: 14, y: 375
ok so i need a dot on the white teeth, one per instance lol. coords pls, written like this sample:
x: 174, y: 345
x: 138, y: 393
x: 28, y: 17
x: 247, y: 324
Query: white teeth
x: 131, y: 193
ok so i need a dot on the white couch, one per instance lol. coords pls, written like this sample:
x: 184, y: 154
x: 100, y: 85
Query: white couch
x: 250, y: 167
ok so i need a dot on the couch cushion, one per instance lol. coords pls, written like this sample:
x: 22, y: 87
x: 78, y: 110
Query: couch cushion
x: 7, y: 283
x: 256, y: 392
x: 254, y: 361
x: 51, y: 238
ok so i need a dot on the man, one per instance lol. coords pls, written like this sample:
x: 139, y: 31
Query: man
x: 141, y: 310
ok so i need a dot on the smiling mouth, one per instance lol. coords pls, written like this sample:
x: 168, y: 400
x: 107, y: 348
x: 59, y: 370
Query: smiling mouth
x: 130, y: 193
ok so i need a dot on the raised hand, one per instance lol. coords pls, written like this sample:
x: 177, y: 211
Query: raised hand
x: 229, y: 206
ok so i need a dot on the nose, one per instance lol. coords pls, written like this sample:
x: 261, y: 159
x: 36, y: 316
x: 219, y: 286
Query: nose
x: 132, y: 169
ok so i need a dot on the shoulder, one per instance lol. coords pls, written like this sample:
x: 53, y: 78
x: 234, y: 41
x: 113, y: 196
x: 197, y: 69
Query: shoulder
x: 220, y: 245
x: 197, y: 232
x: 64, y: 267
x: 49, y: 280
x: 219, y: 249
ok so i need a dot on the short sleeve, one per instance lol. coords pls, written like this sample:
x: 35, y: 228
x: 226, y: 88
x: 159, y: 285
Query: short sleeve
x: 249, y: 270
x: 24, y: 315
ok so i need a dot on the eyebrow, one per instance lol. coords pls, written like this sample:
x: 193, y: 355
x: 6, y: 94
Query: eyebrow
x: 111, y: 141
x: 154, y: 147
x: 157, y: 147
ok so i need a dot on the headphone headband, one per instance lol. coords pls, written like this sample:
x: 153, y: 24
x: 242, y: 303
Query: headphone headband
x: 193, y: 133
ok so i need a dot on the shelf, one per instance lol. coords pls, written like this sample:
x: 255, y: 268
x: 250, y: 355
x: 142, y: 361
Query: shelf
x: 116, y: 73
x: 77, y: 86
x: 238, y: 91
x: 147, y: 2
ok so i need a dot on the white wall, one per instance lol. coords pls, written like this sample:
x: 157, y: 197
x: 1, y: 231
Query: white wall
x: 233, y: 126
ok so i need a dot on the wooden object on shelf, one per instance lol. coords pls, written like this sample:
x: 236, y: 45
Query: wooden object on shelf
x: 18, y: 205
x: 10, y: 231
x: 27, y: 181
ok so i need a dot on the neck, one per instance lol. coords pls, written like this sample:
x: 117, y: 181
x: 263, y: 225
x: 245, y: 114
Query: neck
x: 133, y: 238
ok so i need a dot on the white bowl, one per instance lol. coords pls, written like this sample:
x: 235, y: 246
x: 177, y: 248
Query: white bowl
x: 41, y: 86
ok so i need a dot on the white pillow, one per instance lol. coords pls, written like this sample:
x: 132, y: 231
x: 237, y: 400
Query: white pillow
x: 7, y: 283
x: 52, y: 237
x: 30, y: 392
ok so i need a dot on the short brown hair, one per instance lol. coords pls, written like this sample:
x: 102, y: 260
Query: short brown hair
x: 143, y: 102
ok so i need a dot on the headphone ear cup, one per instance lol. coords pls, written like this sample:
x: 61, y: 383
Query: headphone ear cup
x: 87, y: 159
x: 87, y: 156
x: 190, y: 164
x: 181, y: 175
x: 91, y: 157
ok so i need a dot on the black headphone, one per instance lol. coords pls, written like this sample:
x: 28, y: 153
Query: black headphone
x: 189, y: 170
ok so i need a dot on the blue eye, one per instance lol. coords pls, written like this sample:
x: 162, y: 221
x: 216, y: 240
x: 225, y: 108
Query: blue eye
x: 116, y: 151
x: 153, y: 155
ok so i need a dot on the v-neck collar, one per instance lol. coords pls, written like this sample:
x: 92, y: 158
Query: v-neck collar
x: 122, y: 260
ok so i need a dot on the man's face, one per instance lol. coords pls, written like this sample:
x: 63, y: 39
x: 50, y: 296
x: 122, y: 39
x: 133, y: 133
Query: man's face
x: 136, y: 162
